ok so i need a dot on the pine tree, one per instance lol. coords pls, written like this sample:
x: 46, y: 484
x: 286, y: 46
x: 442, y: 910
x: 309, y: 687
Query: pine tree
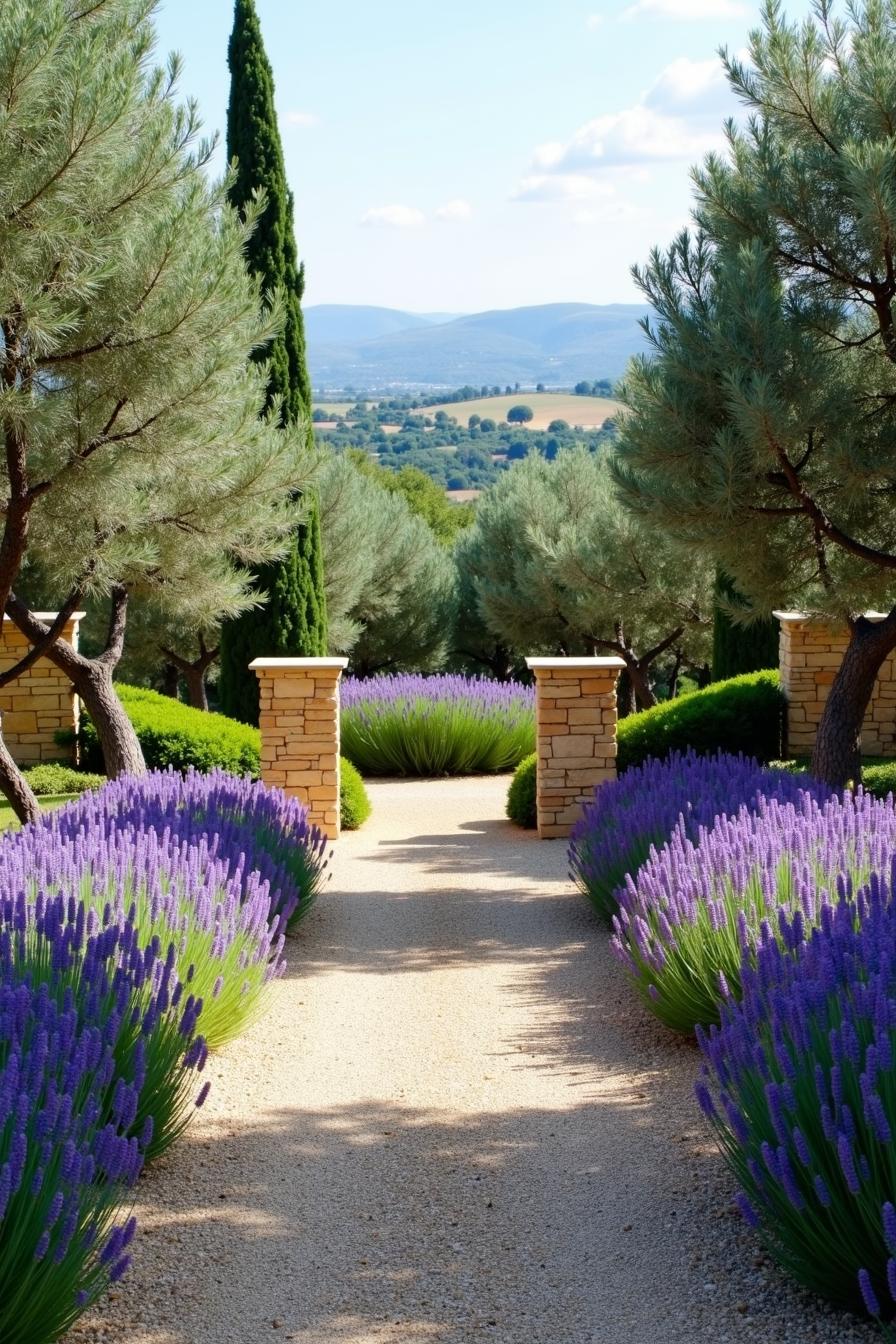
x: 761, y: 428
x: 293, y: 620
x: 738, y: 648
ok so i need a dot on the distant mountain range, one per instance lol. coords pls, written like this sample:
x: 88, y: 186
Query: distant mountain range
x: 559, y: 344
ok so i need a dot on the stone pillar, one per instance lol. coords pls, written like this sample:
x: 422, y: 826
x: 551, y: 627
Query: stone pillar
x: 39, y: 703
x: 299, y: 721
x: 811, y: 650
x: 575, y: 709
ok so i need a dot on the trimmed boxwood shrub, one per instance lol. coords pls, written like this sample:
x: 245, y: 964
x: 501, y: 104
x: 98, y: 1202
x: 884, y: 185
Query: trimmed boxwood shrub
x: 176, y: 735
x: 354, y: 804
x: 744, y: 714
x: 53, y: 780
x: 521, y: 806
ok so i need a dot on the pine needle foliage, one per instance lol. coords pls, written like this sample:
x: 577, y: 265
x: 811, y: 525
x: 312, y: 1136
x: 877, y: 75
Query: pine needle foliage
x: 762, y: 425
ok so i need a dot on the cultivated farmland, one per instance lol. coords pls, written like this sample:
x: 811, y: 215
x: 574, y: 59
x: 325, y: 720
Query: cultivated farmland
x: 589, y: 412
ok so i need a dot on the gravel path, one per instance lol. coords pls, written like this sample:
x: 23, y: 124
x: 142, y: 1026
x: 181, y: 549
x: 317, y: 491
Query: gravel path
x: 454, y: 1123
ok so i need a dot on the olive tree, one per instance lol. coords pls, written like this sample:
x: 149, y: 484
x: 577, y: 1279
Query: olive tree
x: 761, y: 427
x: 389, y: 581
x: 135, y: 458
x: 559, y: 566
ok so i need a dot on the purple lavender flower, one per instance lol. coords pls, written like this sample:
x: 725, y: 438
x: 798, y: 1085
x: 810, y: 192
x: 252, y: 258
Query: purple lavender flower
x: 822, y: 1190
x: 683, y: 794
x: 408, y: 724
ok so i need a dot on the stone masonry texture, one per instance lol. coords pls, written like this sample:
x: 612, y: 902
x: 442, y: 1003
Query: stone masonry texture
x: 299, y: 722
x: 575, y: 709
x: 40, y: 702
x: 811, y: 651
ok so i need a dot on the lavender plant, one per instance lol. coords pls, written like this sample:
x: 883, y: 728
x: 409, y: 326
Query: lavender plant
x: 799, y: 1082
x: 81, y: 1005
x: 439, y: 725
x: 698, y: 906
x: 258, y: 829
x: 632, y: 815
x: 204, y: 864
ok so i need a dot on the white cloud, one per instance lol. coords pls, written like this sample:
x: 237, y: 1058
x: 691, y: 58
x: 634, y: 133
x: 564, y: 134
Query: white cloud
x: 594, y: 21
x: 638, y: 134
x: 457, y: 209
x: 678, y: 118
x: 686, y: 85
x: 303, y: 119
x: 552, y: 187
x: 394, y: 216
x: 687, y: 9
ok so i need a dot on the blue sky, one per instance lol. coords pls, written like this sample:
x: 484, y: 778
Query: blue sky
x: 484, y: 155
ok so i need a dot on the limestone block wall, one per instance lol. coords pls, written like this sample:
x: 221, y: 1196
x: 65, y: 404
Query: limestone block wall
x: 811, y: 650
x: 575, y: 707
x: 41, y: 701
x: 299, y: 722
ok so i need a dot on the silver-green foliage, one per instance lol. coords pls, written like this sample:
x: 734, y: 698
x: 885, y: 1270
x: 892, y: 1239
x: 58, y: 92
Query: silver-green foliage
x: 762, y: 424
x: 389, y: 583
x: 127, y: 319
x: 560, y: 566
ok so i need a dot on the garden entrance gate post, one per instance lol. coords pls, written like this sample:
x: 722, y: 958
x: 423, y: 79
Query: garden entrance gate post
x: 299, y: 722
x: 811, y: 651
x: 42, y: 701
x: 575, y: 718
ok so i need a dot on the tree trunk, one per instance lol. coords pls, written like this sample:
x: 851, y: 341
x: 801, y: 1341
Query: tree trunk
x: 171, y: 681
x: 119, y: 743
x: 92, y: 679
x: 16, y: 788
x: 674, y: 675
x: 837, y: 758
x: 638, y: 672
x: 194, y: 679
x: 625, y: 695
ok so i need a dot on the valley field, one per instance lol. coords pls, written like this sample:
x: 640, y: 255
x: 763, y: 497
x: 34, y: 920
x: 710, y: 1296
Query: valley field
x: 589, y: 412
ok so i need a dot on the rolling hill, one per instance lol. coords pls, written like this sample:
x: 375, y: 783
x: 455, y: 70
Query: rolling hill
x: 557, y: 344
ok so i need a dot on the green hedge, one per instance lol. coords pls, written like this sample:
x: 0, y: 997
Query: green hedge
x: 742, y: 714
x: 521, y: 805
x: 176, y: 735
x: 353, y: 800
x: 52, y: 780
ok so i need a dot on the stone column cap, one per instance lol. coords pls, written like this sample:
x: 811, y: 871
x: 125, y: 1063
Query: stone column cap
x: 307, y: 663
x: 805, y: 616
x: 571, y: 664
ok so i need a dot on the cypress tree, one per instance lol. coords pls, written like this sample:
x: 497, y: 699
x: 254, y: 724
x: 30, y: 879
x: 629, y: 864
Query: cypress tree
x: 739, y: 648
x: 293, y: 621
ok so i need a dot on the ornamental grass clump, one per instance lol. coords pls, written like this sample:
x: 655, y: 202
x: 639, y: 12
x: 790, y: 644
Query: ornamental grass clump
x: 632, y: 815
x: 439, y: 725
x: 698, y: 906
x: 800, y: 1084
x: 82, y: 1004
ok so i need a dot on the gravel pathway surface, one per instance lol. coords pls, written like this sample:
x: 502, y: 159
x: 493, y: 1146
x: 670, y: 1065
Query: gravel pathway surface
x: 454, y: 1123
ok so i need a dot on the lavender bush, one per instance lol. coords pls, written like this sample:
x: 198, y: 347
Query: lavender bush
x: 215, y: 866
x: 800, y: 1084
x: 440, y: 725
x: 697, y: 906
x: 627, y: 818
x: 82, y: 1005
